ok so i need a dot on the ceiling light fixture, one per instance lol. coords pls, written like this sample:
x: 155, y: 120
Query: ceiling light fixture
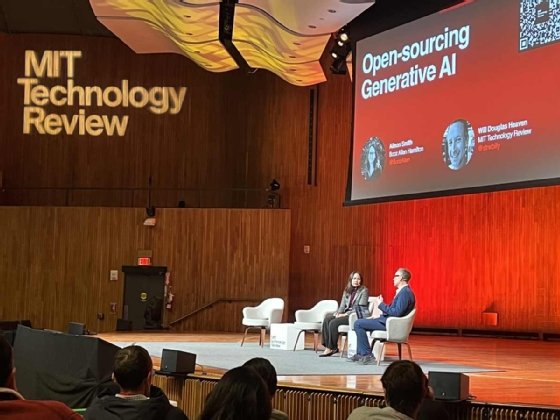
x: 340, y: 50
x: 150, y: 219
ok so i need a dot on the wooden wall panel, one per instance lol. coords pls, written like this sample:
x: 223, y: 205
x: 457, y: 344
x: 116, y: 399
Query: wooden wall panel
x: 468, y: 254
x: 56, y: 262
x: 495, y: 251
x: 167, y: 147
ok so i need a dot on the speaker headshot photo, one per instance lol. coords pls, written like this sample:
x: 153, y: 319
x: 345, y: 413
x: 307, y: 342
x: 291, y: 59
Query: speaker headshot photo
x: 458, y: 144
x: 373, y: 158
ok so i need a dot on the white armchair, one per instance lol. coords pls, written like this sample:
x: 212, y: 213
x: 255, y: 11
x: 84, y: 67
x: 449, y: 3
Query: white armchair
x: 269, y: 311
x: 311, y: 320
x: 398, y: 330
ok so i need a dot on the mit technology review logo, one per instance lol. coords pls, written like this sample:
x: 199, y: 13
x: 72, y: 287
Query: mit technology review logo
x: 539, y: 23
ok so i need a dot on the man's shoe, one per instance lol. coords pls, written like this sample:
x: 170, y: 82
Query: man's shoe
x: 356, y: 358
x: 368, y: 360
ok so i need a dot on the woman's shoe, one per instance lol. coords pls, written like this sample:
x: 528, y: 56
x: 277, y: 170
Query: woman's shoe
x: 330, y: 353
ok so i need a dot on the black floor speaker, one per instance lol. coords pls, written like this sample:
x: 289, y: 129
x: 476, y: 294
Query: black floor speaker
x: 124, y: 325
x: 76, y: 328
x: 176, y: 362
x: 449, y: 386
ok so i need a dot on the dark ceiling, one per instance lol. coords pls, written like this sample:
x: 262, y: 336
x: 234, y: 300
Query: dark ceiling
x: 50, y: 17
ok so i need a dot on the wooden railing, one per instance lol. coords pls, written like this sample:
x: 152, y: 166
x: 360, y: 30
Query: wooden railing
x: 313, y: 404
x: 209, y: 305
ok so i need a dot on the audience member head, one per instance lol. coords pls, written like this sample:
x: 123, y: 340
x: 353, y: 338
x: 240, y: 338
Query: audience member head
x: 354, y: 280
x: 266, y: 371
x: 7, y: 374
x: 241, y: 394
x: 132, y: 370
x: 405, y: 386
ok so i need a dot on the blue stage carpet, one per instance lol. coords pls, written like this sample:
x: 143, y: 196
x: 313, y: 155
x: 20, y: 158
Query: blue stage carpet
x: 302, y: 362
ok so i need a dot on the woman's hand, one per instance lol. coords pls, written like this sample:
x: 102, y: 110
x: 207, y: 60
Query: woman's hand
x: 337, y: 315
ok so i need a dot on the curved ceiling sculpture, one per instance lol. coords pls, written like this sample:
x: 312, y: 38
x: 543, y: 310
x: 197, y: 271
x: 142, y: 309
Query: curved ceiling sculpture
x: 286, y: 37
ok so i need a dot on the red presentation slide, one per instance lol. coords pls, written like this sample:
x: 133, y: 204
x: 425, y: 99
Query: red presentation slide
x: 461, y: 101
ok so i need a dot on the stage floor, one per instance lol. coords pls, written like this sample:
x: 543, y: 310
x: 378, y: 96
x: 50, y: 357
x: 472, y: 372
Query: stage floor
x: 524, y: 371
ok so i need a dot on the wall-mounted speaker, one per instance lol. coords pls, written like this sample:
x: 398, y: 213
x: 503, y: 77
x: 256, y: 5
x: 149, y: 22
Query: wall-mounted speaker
x: 177, y: 362
x: 450, y: 386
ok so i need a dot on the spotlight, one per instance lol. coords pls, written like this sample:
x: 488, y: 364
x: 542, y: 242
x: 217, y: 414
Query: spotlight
x: 273, y: 197
x: 274, y: 185
x: 150, y: 220
x: 150, y: 210
x: 338, y: 66
x: 341, y: 48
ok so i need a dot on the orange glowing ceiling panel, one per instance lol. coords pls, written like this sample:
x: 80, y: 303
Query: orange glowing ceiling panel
x: 311, y: 17
x: 265, y: 45
x: 301, y: 74
x: 286, y: 37
x: 167, y: 26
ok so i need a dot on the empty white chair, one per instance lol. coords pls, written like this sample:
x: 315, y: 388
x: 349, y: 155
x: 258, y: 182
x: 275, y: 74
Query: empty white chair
x: 269, y: 311
x: 398, y: 330
x: 311, y: 320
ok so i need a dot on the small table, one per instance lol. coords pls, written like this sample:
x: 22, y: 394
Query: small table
x: 353, y: 343
x: 283, y: 337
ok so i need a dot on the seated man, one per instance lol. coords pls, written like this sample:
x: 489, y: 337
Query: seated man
x: 405, y: 387
x: 14, y: 406
x: 402, y: 304
x: 137, y: 398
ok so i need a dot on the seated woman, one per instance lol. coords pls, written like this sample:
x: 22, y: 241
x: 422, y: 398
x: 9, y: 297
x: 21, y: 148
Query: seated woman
x: 355, y: 294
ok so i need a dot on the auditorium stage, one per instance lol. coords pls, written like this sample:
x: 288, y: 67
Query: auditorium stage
x: 522, y: 371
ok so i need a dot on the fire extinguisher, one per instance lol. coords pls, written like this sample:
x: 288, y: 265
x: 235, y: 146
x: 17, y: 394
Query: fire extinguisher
x: 168, y: 295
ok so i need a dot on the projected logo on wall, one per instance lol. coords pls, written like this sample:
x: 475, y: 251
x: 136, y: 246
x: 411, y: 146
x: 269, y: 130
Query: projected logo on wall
x: 51, y: 65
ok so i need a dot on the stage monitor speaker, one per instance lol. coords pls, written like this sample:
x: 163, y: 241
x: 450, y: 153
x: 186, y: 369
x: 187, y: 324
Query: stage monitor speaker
x: 76, y: 328
x: 449, y: 386
x: 175, y: 362
x: 124, y: 325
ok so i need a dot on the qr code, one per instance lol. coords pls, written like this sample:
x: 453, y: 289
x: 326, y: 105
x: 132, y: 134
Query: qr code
x: 539, y: 23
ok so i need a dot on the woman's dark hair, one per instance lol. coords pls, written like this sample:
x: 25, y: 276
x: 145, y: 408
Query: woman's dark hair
x: 241, y: 394
x: 266, y: 371
x: 349, y: 286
